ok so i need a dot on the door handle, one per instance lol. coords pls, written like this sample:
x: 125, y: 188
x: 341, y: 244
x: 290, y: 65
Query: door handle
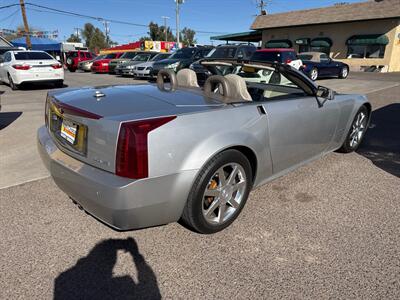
x: 261, y: 110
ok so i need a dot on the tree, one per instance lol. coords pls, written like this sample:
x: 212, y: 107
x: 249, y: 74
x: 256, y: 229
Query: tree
x: 98, y: 40
x: 95, y: 38
x: 157, y: 33
x: 74, y: 39
x: 187, y: 36
x: 87, y: 33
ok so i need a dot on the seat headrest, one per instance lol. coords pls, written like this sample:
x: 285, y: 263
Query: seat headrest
x: 187, y: 78
x: 237, y: 88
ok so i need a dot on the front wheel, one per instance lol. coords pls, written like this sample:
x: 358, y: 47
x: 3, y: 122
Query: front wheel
x: 314, y: 74
x: 356, y: 132
x: 219, y: 193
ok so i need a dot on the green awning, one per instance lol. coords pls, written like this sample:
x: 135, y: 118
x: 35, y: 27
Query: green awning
x: 303, y: 41
x: 321, y: 42
x: 368, y: 39
x: 278, y: 44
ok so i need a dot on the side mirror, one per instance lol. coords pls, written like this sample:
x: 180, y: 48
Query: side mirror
x: 323, y: 94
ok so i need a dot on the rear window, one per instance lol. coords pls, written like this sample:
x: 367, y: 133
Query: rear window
x: 31, y: 55
x: 223, y: 52
x: 73, y: 54
x: 267, y: 56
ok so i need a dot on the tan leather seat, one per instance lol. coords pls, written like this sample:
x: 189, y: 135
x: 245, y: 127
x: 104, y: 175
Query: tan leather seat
x: 187, y: 78
x: 237, y: 88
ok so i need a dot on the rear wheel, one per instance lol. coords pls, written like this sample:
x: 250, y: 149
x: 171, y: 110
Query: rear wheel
x: 219, y: 192
x: 13, y: 86
x: 72, y: 70
x: 344, y: 73
x: 314, y: 74
x: 356, y: 132
x: 59, y: 84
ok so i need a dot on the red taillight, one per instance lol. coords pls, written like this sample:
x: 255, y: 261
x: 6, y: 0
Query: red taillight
x: 21, y: 67
x: 288, y: 61
x: 56, y: 66
x: 132, y: 155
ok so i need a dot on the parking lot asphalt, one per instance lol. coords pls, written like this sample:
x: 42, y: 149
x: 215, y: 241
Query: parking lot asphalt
x: 327, y: 230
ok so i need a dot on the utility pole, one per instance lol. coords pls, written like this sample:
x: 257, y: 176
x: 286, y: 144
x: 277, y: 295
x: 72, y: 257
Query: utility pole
x: 26, y: 26
x: 165, y: 27
x: 178, y: 2
x: 261, y: 5
x: 77, y: 32
x: 107, y: 30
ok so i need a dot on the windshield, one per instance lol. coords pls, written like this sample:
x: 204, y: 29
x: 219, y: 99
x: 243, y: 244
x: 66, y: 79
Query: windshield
x: 264, y: 83
x: 160, y: 56
x: 183, y: 53
x: 128, y: 55
x: 111, y: 56
x: 222, y: 52
x: 31, y: 55
x: 141, y: 57
x: 304, y: 56
x: 100, y: 57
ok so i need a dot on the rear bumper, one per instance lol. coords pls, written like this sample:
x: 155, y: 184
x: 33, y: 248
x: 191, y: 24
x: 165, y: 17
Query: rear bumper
x: 121, y: 203
x: 22, y: 77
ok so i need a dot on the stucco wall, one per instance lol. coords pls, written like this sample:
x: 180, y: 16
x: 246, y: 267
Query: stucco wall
x: 340, y: 32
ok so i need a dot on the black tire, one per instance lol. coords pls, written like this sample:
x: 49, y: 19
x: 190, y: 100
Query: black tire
x: 193, y: 212
x: 13, y: 86
x: 59, y: 84
x: 344, y: 72
x: 72, y: 70
x: 347, y: 146
x: 312, y: 76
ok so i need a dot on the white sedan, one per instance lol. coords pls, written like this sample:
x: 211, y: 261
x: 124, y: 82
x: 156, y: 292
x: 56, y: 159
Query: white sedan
x: 17, y: 67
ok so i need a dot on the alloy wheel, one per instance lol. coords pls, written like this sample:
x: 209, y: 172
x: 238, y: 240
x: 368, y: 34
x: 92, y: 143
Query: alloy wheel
x: 357, y: 129
x: 345, y: 72
x: 314, y: 74
x: 224, y: 193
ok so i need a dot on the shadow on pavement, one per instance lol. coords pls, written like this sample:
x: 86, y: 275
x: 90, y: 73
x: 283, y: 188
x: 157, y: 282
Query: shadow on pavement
x: 92, y: 276
x: 6, y: 118
x: 381, y: 143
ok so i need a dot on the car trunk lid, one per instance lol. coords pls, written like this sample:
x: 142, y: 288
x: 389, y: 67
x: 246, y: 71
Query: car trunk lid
x: 85, y: 122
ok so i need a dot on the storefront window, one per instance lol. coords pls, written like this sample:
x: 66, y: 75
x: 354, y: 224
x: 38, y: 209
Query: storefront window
x: 326, y: 50
x: 321, y: 44
x: 366, y: 51
x: 304, y: 44
x: 367, y: 46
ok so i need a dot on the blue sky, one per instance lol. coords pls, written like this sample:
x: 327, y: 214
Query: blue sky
x: 217, y: 16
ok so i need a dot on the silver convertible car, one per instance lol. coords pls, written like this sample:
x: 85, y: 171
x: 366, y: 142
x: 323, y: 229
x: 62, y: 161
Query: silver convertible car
x: 136, y: 156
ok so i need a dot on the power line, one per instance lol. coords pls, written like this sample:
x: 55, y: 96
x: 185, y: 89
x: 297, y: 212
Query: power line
x: 100, y: 19
x: 8, y: 6
x: 9, y: 16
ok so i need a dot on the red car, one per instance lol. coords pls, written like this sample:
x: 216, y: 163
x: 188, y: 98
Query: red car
x: 75, y: 57
x: 101, y: 65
